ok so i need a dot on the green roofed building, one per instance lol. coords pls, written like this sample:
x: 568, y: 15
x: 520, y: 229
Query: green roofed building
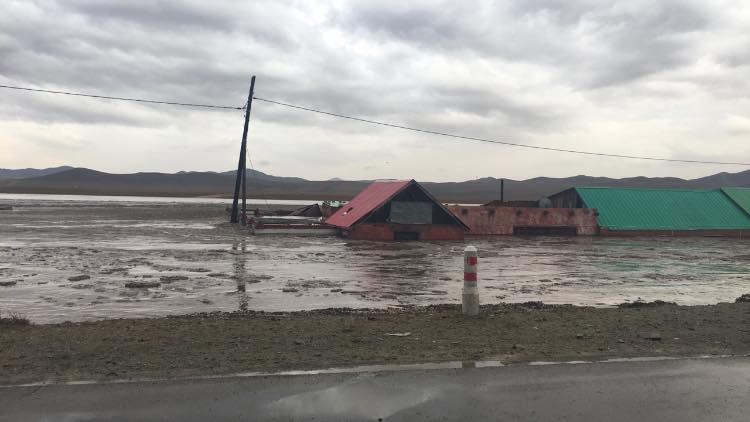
x: 662, y: 211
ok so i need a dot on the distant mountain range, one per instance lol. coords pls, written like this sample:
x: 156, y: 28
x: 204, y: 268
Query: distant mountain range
x: 23, y: 173
x: 68, y: 180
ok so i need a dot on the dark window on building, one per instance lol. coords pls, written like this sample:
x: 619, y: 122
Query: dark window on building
x: 544, y: 230
x: 411, y: 212
x: 410, y: 194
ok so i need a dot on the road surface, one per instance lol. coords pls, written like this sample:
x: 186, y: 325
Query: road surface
x: 666, y: 390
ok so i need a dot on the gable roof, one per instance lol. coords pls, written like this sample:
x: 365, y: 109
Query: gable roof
x: 369, y: 199
x: 740, y: 196
x: 374, y: 196
x: 664, y: 209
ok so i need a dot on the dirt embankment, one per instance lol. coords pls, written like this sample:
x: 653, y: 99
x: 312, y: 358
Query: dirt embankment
x: 224, y: 343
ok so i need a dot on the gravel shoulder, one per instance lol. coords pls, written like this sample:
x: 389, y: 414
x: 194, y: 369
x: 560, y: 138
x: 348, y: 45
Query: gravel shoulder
x: 223, y: 343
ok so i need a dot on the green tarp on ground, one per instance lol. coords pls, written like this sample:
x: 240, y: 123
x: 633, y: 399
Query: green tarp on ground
x: 740, y: 196
x: 664, y: 209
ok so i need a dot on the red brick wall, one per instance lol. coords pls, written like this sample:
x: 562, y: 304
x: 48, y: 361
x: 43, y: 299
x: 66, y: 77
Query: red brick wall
x: 500, y: 220
x: 384, y: 231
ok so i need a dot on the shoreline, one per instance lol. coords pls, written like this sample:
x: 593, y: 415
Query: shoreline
x: 308, y: 196
x: 208, y: 344
x: 159, y: 194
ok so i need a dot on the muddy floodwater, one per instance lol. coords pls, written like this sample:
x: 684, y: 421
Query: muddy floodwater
x: 87, y: 259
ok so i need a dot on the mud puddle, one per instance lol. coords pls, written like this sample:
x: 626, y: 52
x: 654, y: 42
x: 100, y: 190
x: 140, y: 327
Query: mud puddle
x: 190, y: 260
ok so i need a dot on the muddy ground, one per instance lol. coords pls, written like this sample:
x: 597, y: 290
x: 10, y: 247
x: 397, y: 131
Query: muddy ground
x: 89, y: 260
x: 223, y: 343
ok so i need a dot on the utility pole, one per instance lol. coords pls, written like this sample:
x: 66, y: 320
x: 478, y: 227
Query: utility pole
x: 241, y: 178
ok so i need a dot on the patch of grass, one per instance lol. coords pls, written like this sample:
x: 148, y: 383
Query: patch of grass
x: 253, y: 341
x: 13, y: 318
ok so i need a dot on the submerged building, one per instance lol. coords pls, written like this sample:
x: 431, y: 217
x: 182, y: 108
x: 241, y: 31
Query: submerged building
x: 396, y: 210
x: 670, y: 212
x: 404, y: 210
x: 502, y: 219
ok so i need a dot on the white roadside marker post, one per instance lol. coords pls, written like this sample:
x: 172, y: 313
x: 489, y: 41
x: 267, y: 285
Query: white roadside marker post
x: 470, y: 294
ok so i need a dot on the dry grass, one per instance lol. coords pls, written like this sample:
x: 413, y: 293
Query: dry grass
x: 223, y: 343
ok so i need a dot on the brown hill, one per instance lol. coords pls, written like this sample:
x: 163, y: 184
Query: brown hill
x: 260, y: 185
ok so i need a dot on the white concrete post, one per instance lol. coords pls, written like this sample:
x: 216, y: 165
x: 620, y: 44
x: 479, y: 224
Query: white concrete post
x: 470, y: 294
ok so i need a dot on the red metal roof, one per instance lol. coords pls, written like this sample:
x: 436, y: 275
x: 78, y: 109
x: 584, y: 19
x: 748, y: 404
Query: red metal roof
x: 371, y: 198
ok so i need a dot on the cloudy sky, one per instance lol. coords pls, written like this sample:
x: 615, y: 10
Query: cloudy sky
x: 657, y: 78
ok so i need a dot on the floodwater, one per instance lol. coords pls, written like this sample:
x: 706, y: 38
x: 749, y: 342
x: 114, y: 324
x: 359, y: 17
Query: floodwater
x: 203, y: 264
x: 13, y: 197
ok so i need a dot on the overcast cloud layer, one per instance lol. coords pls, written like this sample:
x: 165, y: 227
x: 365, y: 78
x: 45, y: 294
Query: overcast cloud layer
x: 668, y: 79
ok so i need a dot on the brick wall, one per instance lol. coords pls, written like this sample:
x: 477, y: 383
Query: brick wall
x: 385, y: 231
x: 500, y: 220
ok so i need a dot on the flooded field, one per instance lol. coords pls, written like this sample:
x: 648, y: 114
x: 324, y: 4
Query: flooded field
x: 83, y: 260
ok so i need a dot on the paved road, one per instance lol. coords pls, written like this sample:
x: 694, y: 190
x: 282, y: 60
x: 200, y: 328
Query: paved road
x: 679, y: 390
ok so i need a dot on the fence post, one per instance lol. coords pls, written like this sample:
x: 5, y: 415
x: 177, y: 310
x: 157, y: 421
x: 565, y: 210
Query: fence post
x: 470, y: 294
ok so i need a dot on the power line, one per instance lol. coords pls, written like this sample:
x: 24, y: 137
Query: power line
x: 374, y: 122
x: 249, y: 160
x: 493, y: 141
x: 105, y: 97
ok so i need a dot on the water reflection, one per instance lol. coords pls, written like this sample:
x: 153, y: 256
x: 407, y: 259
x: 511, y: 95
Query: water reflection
x: 240, y: 274
x: 365, y: 397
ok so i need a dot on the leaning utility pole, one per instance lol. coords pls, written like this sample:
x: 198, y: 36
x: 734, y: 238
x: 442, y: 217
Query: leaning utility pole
x: 241, y: 178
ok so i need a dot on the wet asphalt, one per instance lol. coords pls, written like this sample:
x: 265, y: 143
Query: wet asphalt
x: 666, y: 390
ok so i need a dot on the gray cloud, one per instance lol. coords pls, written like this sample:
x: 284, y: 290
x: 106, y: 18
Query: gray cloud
x: 596, y: 44
x: 50, y: 109
x: 146, y: 49
x: 173, y: 14
x: 537, y: 71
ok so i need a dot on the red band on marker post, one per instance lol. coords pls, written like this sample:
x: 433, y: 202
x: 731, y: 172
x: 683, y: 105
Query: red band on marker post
x: 470, y: 294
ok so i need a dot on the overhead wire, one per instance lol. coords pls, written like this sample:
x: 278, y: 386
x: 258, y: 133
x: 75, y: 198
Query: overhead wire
x: 380, y: 123
x: 107, y: 97
x: 494, y: 141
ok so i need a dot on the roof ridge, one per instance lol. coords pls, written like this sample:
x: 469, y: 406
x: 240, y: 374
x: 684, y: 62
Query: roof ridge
x: 702, y: 190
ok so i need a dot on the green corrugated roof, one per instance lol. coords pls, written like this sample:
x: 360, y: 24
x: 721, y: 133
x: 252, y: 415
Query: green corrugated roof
x: 740, y: 196
x: 664, y: 209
